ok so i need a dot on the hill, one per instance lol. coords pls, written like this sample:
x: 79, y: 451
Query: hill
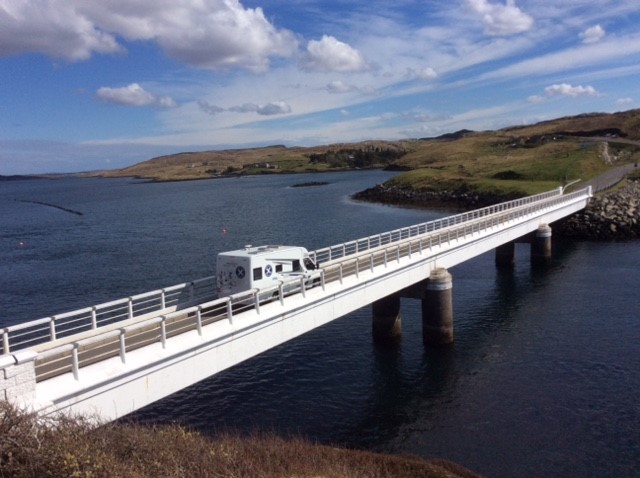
x: 514, y: 160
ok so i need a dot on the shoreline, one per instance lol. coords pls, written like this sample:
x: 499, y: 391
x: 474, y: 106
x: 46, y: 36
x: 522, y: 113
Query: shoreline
x: 612, y: 216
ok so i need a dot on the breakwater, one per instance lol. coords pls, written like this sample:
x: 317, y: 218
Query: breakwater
x: 613, y: 216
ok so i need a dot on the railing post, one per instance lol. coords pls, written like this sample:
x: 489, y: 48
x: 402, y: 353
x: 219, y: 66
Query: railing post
x: 5, y: 341
x: 163, y: 331
x: 322, y: 279
x: 52, y: 328
x: 130, y: 305
x: 256, y: 300
x: 229, y: 311
x: 281, y: 292
x: 123, y: 346
x: 163, y: 304
x: 94, y: 317
x: 385, y: 258
x: 75, y: 365
x: 398, y: 254
x: 340, y: 269
x: 199, y: 319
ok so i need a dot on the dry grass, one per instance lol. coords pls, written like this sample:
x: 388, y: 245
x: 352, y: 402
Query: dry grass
x: 519, y: 160
x: 32, y: 447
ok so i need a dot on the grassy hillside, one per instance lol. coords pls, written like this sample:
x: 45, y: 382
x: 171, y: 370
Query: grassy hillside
x: 519, y: 159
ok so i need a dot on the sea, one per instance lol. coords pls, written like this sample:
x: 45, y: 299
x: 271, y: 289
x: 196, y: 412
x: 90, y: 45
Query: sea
x: 543, y: 378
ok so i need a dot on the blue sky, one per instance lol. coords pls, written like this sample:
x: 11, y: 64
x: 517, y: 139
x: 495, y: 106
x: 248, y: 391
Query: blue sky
x: 103, y: 84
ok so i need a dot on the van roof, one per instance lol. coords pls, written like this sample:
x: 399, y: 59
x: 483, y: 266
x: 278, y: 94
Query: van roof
x: 258, y: 250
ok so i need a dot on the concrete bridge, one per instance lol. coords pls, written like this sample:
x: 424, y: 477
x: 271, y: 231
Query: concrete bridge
x: 112, y: 359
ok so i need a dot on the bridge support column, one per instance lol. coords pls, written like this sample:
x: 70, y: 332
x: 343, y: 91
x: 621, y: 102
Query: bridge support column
x: 541, y: 245
x: 437, y: 309
x: 387, y: 324
x: 505, y: 255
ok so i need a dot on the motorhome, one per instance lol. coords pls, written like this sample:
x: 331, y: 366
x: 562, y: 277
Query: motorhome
x: 261, y: 268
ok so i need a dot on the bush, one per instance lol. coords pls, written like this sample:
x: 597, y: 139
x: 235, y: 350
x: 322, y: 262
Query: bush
x: 37, y: 447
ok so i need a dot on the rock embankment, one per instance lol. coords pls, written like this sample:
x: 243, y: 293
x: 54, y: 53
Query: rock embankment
x: 460, y: 199
x: 610, y: 217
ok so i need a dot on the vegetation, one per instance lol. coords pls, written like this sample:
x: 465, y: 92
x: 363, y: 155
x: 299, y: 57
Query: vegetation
x: 518, y: 160
x: 33, y: 447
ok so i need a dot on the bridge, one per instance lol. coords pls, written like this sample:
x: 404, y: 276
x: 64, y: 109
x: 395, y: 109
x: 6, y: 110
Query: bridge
x: 114, y: 358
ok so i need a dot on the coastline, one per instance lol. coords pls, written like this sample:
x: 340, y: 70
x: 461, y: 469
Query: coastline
x: 611, y: 216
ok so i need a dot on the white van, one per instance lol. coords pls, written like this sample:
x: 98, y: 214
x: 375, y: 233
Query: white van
x: 260, y: 267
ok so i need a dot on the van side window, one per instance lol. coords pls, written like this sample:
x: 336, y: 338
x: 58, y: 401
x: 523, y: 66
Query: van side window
x: 295, y: 264
x: 278, y: 267
x: 257, y: 273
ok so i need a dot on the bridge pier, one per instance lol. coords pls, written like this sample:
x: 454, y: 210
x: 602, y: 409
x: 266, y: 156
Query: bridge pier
x: 541, y: 245
x: 387, y: 323
x: 505, y: 255
x: 437, y: 309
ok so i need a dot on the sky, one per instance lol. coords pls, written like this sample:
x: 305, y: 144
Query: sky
x: 102, y: 84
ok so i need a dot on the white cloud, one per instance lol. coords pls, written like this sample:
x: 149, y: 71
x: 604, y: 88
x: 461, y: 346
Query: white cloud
x: 134, y: 95
x: 268, y: 109
x: 53, y: 28
x: 274, y: 108
x: 565, y: 89
x: 624, y: 101
x: 339, y: 87
x: 592, y: 35
x: 501, y: 20
x: 330, y: 54
x: 212, y: 34
x: 427, y: 73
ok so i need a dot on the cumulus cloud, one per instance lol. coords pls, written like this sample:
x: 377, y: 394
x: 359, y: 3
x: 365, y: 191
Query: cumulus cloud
x: 624, y: 101
x: 209, y: 109
x: 52, y: 27
x: 339, y: 87
x: 330, y: 54
x: 422, y: 74
x: 563, y: 89
x: 501, y: 20
x: 592, y: 35
x: 212, y: 34
x: 268, y: 109
x: 134, y: 95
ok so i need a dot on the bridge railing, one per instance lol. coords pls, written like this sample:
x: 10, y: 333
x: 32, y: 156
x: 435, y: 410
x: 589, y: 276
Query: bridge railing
x: 74, y: 356
x: 57, y: 326
x: 346, y: 249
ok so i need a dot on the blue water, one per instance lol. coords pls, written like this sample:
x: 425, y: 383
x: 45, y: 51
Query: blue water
x: 543, y: 379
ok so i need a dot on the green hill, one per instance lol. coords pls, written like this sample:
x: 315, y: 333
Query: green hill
x: 515, y: 160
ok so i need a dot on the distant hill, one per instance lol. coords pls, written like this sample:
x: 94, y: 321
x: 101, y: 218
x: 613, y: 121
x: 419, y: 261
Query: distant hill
x: 519, y: 143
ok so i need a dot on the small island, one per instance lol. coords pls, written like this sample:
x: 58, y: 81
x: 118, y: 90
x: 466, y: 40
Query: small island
x: 310, y: 184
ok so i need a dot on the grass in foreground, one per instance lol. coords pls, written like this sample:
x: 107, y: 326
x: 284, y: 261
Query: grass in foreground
x: 32, y: 446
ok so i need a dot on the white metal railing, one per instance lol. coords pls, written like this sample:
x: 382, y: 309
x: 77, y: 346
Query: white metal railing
x: 359, y: 245
x: 73, y: 356
x: 31, y: 333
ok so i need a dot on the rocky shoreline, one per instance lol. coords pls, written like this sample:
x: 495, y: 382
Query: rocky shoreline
x: 613, y: 216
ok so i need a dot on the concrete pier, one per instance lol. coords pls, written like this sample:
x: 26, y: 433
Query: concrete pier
x: 541, y: 245
x: 387, y: 323
x: 437, y: 309
x: 505, y: 255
